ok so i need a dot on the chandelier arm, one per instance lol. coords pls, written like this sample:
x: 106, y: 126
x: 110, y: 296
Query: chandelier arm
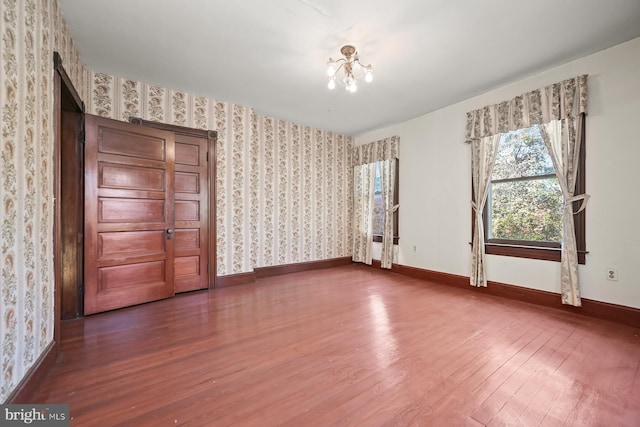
x: 362, y: 65
x: 339, y: 67
x: 342, y: 61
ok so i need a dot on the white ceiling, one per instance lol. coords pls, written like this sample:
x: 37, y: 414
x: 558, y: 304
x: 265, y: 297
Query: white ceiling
x: 272, y: 55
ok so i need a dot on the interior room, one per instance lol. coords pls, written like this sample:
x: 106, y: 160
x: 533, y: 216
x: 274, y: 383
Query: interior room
x: 289, y: 213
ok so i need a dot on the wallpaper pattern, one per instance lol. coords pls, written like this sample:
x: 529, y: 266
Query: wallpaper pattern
x: 30, y: 31
x: 284, y: 190
x: 302, y: 211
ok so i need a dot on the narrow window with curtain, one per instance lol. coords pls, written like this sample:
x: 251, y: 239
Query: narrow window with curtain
x: 375, y: 200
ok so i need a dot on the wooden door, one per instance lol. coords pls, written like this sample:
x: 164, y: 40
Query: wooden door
x: 195, y: 243
x: 191, y: 214
x: 129, y: 202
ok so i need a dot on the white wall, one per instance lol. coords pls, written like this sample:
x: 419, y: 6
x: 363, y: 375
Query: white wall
x: 435, y: 183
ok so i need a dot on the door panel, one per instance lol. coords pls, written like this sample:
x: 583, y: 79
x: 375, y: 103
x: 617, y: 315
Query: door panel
x: 142, y: 276
x: 189, y: 154
x: 187, y: 210
x: 129, y: 202
x: 130, y: 177
x: 187, y: 239
x: 131, y: 243
x: 191, y: 215
x: 132, y: 210
x: 187, y: 182
x: 187, y: 265
x: 125, y: 143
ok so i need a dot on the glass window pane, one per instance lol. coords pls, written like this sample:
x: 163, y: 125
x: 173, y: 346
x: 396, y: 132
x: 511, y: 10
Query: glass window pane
x: 526, y: 210
x: 522, y: 153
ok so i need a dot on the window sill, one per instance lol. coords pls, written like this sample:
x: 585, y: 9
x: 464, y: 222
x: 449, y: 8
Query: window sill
x: 530, y: 252
x: 378, y: 238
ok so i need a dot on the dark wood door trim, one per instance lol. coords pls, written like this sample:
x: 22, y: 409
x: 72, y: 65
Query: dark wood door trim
x: 72, y: 214
x: 68, y: 146
x: 67, y: 85
x: 212, y: 138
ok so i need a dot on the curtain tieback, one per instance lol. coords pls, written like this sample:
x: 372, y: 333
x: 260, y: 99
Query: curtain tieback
x: 583, y: 197
x: 474, y: 206
x: 393, y: 209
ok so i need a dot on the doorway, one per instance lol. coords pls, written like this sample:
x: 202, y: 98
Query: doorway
x: 68, y: 196
x: 192, y: 212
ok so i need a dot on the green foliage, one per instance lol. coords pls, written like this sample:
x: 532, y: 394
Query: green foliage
x: 529, y: 209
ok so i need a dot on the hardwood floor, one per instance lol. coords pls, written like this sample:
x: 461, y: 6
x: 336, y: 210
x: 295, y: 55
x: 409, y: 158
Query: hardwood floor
x: 345, y: 346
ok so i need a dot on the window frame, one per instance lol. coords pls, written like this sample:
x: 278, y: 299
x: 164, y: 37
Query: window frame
x: 548, y: 251
x: 396, y: 236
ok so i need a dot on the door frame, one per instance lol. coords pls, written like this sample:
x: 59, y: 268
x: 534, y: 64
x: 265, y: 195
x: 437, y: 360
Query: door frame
x: 66, y: 99
x: 212, y: 140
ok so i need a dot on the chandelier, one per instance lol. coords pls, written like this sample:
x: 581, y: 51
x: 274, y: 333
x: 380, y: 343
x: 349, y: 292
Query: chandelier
x: 353, y: 69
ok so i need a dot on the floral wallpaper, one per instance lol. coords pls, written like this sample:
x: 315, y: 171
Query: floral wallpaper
x: 30, y: 31
x: 303, y: 209
x: 284, y: 190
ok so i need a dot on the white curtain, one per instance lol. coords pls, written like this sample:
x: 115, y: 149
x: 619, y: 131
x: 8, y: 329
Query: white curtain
x: 559, y: 109
x: 483, y: 157
x: 563, y: 139
x: 363, y: 187
x: 365, y: 157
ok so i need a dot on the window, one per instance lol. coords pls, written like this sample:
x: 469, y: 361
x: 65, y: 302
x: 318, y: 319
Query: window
x: 523, y: 213
x: 525, y: 200
x: 378, y: 209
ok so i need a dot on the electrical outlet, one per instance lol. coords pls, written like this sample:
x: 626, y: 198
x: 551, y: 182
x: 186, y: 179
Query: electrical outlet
x: 414, y: 248
x: 612, y: 274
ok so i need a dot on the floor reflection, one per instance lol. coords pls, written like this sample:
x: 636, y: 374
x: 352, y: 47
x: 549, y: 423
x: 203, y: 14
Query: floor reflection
x: 385, y: 342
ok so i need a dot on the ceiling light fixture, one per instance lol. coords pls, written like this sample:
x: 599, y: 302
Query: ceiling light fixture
x: 353, y: 69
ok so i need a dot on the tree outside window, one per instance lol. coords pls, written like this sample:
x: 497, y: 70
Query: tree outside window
x: 525, y: 201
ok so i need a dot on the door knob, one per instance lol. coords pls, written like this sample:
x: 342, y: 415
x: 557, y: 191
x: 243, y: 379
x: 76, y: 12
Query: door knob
x: 169, y: 233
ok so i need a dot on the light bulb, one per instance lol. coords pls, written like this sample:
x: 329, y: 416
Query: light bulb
x: 332, y: 84
x: 352, y: 87
x: 332, y: 68
x: 368, y: 77
x: 356, y: 64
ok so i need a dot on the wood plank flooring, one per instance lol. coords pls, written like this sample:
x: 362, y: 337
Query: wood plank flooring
x: 346, y: 346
